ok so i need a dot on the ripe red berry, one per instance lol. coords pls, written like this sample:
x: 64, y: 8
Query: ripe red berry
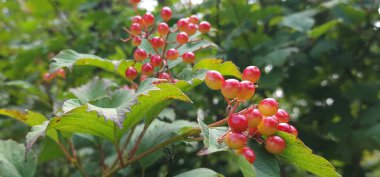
x: 251, y: 73
x: 134, y: 2
x: 253, y: 117
x: 293, y: 130
x: 156, y: 60
x: 214, y: 80
x: 275, y: 144
x: 268, y: 107
x: 230, y: 88
x: 131, y: 73
x: 267, y: 126
x: 147, y: 69
x: 164, y: 76
x: 191, y: 29
x: 249, y: 154
x: 182, y: 38
x: 182, y: 24
x: 282, y: 116
x: 172, y: 54
x: 157, y: 42
x: 140, y: 55
x: 284, y: 127
x: 235, y: 140
x: 188, y: 57
x: 135, y: 29
x: 194, y: 19
x: 143, y: 77
x: 247, y: 89
x: 204, y: 27
x: 47, y: 77
x: 237, y: 123
x: 252, y: 131
x: 136, y: 41
x: 163, y: 29
x: 137, y: 19
x: 148, y: 19
x: 61, y: 73
x: 166, y: 13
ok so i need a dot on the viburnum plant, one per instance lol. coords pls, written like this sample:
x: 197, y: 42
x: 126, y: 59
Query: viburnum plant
x: 130, y: 111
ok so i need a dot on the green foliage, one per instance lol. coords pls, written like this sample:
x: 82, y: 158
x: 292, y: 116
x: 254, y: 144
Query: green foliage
x: 201, y: 172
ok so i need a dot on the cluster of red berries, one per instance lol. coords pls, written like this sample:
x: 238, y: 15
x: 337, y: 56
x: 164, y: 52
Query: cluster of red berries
x: 48, y: 77
x: 257, y: 121
x: 145, y: 27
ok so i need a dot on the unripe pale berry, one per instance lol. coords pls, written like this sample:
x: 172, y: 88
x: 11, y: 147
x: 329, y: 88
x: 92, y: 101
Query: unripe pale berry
x: 135, y: 29
x: 253, y: 117
x: 235, y: 140
x: 251, y: 73
x: 275, y: 144
x: 131, y: 73
x: 137, y: 19
x: 284, y: 127
x: 237, y: 123
x: 157, y: 42
x: 247, y: 89
x: 267, y: 126
x: 249, y: 154
x: 140, y: 55
x: 230, y: 88
x: 204, y: 27
x: 268, y: 107
x: 166, y: 13
x: 163, y: 29
x: 156, y: 60
x: 136, y: 41
x: 148, y: 19
x: 61, y: 73
x: 182, y: 24
x: 182, y: 38
x: 188, y: 57
x: 294, y: 130
x: 147, y: 69
x: 172, y: 54
x: 164, y: 76
x: 282, y: 116
x: 191, y: 29
x: 194, y: 19
x: 214, y: 80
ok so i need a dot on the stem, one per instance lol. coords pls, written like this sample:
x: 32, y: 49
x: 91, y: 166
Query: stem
x: 138, y: 142
x: 235, y: 106
x: 72, y: 160
x: 117, y: 147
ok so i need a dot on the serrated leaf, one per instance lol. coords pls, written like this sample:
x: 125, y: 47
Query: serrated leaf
x: 224, y: 67
x: 200, y: 172
x: 93, y: 90
x: 210, y: 139
x: 70, y: 104
x: 266, y: 165
x: 301, y: 156
x: 36, y: 132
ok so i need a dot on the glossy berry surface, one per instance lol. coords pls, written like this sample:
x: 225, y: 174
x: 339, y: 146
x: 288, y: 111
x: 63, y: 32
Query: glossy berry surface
x: 293, y: 130
x: 188, y: 57
x: 252, y: 131
x: 194, y: 19
x: 61, y: 73
x: 172, y: 54
x: 157, y: 42
x: 230, y: 88
x: 135, y: 29
x: 47, y: 77
x: 131, y: 73
x: 137, y: 19
x: 251, y: 73
x: 155, y: 60
x: 166, y: 13
x: 282, y: 116
x: 164, y: 76
x: 235, y: 140
x: 204, y: 27
x: 249, y: 154
x: 253, y: 117
x: 247, y: 89
x: 267, y: 126
x: 237, y: 123
x: 163, y: 29
x: 182, y: 38
x: 147, y: 69
x: 275, y: 144
x: 268, y: 107
x: 140, y: 55
x: 191, y: 29
x: 284, y: 127
x: 214, y: 80
x: 136, y: 41
x: 148, y: 19
x: 182, y: 24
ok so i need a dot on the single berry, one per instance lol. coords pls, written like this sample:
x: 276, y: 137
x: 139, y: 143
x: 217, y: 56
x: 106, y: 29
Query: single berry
x: 284, y: 127
x: 143, y: 77
x: 166, y: 13
x: 182, y: 24
x: 188, y: 57
x: 131, y: 73
x: 194, y: 19
x: 156, y: 60
x: 61, y: 73
x: 214, y: 79
x: 275, y: 144
x: 253, y: 117
x: 191, y: 29
x: 268, y: 107
x: 249, y: 154
x: 134, y: 2
x: 135, y: 29
x: 204, y: 27
x: 251, y: 73
x: 230, y: 88
x: 47, y: 77
x: 157, y: 42
x: 237, y: 123
x: 235, y: 140
x: 293, y: 130
x: 182, y: 38
x: 282, y: 116
x: 252, y: 131
x: 267, y: 126
x: 172, y: 54
x: 164, y: 76
x: 137, y: 19
x: 147, y: 69
x: 247, y: 89
x: 140, y: 55
x: 148, y: 19
x: 163, y: 29
x: 136, y: 41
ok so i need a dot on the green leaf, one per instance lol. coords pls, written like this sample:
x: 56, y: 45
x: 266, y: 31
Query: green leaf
x: 36, y: 132
x: 93, y: 90
x: 70, y: 104
x: 210, y: 139
x: 199, y: 172
x: 245, y: 167
x: 322, y: 29
x: 300, y: 21
x: 266, y: 165
x: 301, y: 156
x: 277, y: 57
x: 14, y: 162
x: 224, y: 67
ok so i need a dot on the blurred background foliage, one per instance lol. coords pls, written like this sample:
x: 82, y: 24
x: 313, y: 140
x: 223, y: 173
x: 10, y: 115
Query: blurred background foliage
x: 321, y: 59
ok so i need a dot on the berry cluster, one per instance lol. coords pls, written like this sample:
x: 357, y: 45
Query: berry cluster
x: 145, y: 27
x: 258, y: 122
x: 48, y: 77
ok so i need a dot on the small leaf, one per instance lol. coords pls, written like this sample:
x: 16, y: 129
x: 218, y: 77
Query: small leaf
x: 199, y: 172
x: 93, y: 90
x: 300, y: 21
x: 36, y: 132
x: 210, y: 139
x: 224, y: 67
x: 322, y: 29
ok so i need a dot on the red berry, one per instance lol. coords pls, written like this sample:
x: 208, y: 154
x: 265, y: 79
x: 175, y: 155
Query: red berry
x: 252, y: 131
x: 284, y: 127
x: 188, y: 57
x: 131, y: 73
x: 268, y: 107
x: 282, y: 116
x: 247, y: 89
x: 148, y: 19
x: 251, y: 73
x: 156, y: 60
x: 134, y: 2
x: 275, y: 144
x: 166, y: 13
x: 137, y: 19
x: 294, y: 130
x: 235, y: 140
x: 163, y: 29
x: 230, y: 88
x: 136, y: 41
x: 135, y: 29
x: 147, y: 69
x: 214, y: 80
x: 249, y: 154
x: 157, y: 42
x: 237, y: 123
x: 143, y: 77
x: 140, y: 55
x: 164, y: 76
x: 182, y: 24
x: 61, y: 73
x: 47, y: 77
x: 194, y: 19
x: 182, y: 38
x: 172, y: 54
x: 204, y: 27
x: 191, y: 29
x: 267, y: 126
x: 253, y: 117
